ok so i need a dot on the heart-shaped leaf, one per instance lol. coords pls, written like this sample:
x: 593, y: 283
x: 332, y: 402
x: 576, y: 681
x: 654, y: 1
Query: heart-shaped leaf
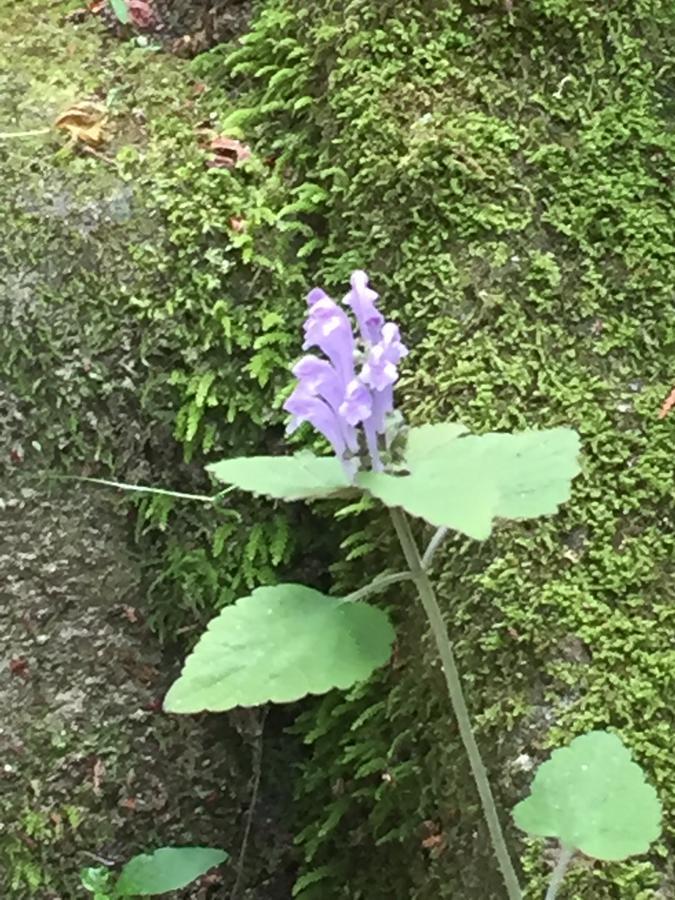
x: 300, y: 477
x: 427, y: 441
x: 279, y: 644
x: 464, y: 482
x: 167, y: 869
x: 594, y: 798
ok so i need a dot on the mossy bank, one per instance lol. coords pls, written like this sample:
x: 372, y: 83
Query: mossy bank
x: 504, y: 172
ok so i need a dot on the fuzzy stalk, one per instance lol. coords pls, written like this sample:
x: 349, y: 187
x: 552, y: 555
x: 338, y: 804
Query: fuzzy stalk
x: 456, y: 693
x: 566, y: 854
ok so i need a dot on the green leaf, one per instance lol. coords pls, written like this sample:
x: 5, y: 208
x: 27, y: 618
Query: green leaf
x: 279, y: 644
x: 426, y: 441
x: 97, y: 880
x: 121, y: 10
x: 465, y: 482
x: 594, y: 798
x: 167, y: 869
x: 299, y: 477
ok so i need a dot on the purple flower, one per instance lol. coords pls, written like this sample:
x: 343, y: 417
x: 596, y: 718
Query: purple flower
x: 321, y: 379
x: 379, y: 372
x: 379, y: 369
x: 306, y: 407
x: 328, y: 328
x: 362, y: 299
x: 357, y: 405
x: 330, y: 395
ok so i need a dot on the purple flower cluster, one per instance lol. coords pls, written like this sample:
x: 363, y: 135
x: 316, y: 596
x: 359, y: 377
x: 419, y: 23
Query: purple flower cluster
x: 330, y: 394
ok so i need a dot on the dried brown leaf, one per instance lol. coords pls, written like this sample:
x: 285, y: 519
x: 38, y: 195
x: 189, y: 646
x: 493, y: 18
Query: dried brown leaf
x: 85, y: 122
x: 228, y: 152
x: 668, y: 404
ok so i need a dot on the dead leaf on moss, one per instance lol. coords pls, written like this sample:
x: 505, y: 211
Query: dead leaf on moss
x: 435, y: 840
x: 85, y: 122
x: 227, y: 153
x: 142, y: 14
x: 237, y: 224
x: 98, y: 774
x: 668, y: 404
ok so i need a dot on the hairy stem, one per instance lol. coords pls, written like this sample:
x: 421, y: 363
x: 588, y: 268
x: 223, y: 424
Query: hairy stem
x: 434, y: 544
x: 377, y: 584
x: 453, y: 681
x: 566, y: 854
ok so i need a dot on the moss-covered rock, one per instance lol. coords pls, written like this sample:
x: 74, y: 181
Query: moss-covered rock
x: 503, y: 172
x: 93, y: 772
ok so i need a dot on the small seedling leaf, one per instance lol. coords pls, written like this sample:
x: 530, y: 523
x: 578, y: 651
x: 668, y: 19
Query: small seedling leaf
x: 167, y: 869
x: 593, y: 797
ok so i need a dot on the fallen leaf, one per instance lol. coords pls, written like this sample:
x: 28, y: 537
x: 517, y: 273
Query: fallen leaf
x: 668, y: 404
x: 142, y: 14
x: 237, y: 224
x: 84, y: 122
x: 130, y: 613
x: 75, y: 16
x: 228, y: 152
x: 129, y: 803
x: 154, y: 705
x: 434, y: 842
x: 18, y: 666
x: 435, y: 839
x: 98, y: 775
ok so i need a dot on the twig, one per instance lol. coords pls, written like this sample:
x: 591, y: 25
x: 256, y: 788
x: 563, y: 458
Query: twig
x: 255, y: 787
x: 139, y: 488
x: 94, y: 152
x: 36, y: 132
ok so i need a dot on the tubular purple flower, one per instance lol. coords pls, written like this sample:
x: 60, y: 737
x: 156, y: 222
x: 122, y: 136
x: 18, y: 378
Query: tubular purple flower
x: 383, y: 404
x: 379, y: 372
x: 320, y: 379
x: 370, y: 431
x: 358, y: 403
x: 328, y: 328
x: 316, y: 294
x: 340, y: 405
x: 391, y: 342
x: 362, y: 299
x: 306, y: 407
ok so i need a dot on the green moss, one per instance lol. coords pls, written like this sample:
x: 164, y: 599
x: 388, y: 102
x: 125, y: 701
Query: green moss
x: 504, y: 179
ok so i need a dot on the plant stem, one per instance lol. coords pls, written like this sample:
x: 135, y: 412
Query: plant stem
x: 434, y: 544
x: 566, y: 854
x: 376, y: 585
x: 453, y: 681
